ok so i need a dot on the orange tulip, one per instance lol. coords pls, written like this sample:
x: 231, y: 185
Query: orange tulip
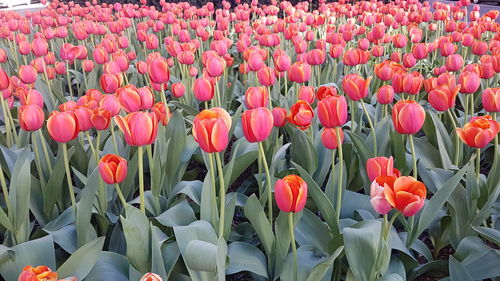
x: 138, y: 128
x: 291, y: 193
x: 332, y: 111
x: 406, y: 194
x: 301, y: 115
x: 211, y: 129
x: 479, y: 131
x: 162, y: 112
x: 381, y: 166
x: 256, y: 97
x: 443, y: 97
x: 355, y: 86
x: 100, y: 119
x: 113, y: 168
x: 57, y: 121
x: 39, y: 273
x: 151, y: 277
x: 325, y: 91
x: 31, y: 117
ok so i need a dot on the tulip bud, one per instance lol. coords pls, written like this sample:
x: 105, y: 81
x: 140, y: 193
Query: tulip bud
x: 329, y: 137
x: 211, y: 129
x: 469, y: 81
x: 291, y: 193
x: 203, y: 89
x: 109, y: 83
x: 159, y: 71
x: 306, y: 93
x: 257, y: 124
x: 355, y: 86
x: 31, y: 117
x: 332, y: 111
x: 385, y: 94
x: 27, y: 74
x: 178, y: 89
x: 491, y: 99
x: 454, y: 62
x: 279, y: 117
x: 256, y: 97
x: 408, y: 117
x: 58, y: 120
x: 113, y: 169
x: 266, y: 76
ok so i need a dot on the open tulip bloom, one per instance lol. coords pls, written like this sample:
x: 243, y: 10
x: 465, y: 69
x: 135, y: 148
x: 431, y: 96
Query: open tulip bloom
x: 283, y: 140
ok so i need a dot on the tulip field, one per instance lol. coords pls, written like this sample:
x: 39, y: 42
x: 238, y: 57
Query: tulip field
x: 351, y: 141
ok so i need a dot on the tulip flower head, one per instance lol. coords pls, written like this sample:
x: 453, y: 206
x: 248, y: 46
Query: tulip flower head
x: 491, y: 99
x: 257, y: 124
x: 211, y: 129
x: 301, y: 115
x: 113, y: 168
x: 151, y: 277
x: 355, y: 86
x: 406, y: 194
x: 381, y: 166
x: 42, y: 273
x: 377, y: 193
x: 31, y: 117
x: 479, y: 131
x: 138, y: 128
x: 329, y: 137
x: 291, y: 193
x: 332, y: 111
x: 408, y: 117
x: 58, y: 120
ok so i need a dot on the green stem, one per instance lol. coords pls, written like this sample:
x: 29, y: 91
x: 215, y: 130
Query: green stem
x: 102, y: 197
x: 341, y: 172
x: 141, y: 179
x: 5, y: 191
x: 222, y: 194
x: 495, y: 157
x: 115, y: 145
x: 120, y: 195
x: 269, y: 185
x: 45, y: 150
x: 478, y: 164
x: 5, y: 108
x: 413, y: 156
x: 214, y: 195
x: 333, y: 171
x: 371, y: 127
x: 94, y: 153
x: 68, y: 177
x: 457, y: 139
x: 294, y: 246
x: 37, y: 159
x: 69, y: 80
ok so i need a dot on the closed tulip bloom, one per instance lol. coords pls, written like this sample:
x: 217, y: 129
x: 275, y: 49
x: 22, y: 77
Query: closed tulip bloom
x: 454, y: 62
x: 291, y: 193
x: 203, y: 89
x: 257, y: 124
x: 110, y: 83
x: 409, y: 60
x: 299, y: 72
x: 110, y: 103
x: 399, y: 40
x: 316, y: 57
x: 355, y: 86
x: 332, y: 111
x: 100, y: 119
x: 377, y: 194
x: 88, y: 65
x: 31, y: 97
x: 386, y: 69
x: 301, y: 115
x: 408, y: 117
x: 443, y: 97
x: 27, y: 74
x: 215, y: 66
x: 31, y: 117
x: 147, y: 97
x: 279, y: 116
x: 480, y: 131
x: 381, y: 166
x: 406, y: 194
x: 256, y: 97
x: 469, y: 81
x: 178, y: 89
x: 4, y: 80
x: 158, y: 70
x: 385, y: 94
x: 420, y: 51
x: 113, y: 168
x: 138, y: 128
x: 413, y: 82
x: 486, y: 71
x: 83, y: 115
x: 491, y: 99
x: 129, y: 98
x: 266, y: 76
x: 329, y: 137
x: 151, y: 277
x: 39, y: 273
x: 282, y: 62
x: 306, y: 93
x: 325, y: 91
x: 211, y: 129
x: 40, y: 47
x: 162, y: 112
x: 59, y: 120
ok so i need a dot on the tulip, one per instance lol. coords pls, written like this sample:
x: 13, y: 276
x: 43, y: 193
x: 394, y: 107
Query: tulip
x: 110, y: 83
x: 443, y: 97
x: 479, y: 131
x: 306, y: 93
x: 469, y: 81
x: 27, y: 74
x: 203, y: 89
x: 151, y: 277
x: 162, y: 113
x: 40, y: 47
x: 408, y: 117
x: 332, y: 111
x: 211, y: 128
x: 377, y: 193
x: 138, y: 128
x: 266, y: 76
x: 158, y: 70
x: 454, y: 62
x: 42, y: 273
x: 491, y: 99
x: 299, y: 72
x: 4, y: 80
x: 257, y: 124
x: 178, y: 89
x: 291, y: 193
x: 381, y: 166
x: 83, y: 115
x: 325, y: 91
x: 256, y: 97
x: 279, y: 116
x: 355, y: 86
x: 412, y: 83
x: 31, y: 97
x: 329, y: 137
x: 58, y: 120
x: 385, y: 94
x: 100, y: 119
x: 215, y: 66
x: 113, y: 168
x: 406, y: 194
x: 301, y: 115
x: 31, y: 117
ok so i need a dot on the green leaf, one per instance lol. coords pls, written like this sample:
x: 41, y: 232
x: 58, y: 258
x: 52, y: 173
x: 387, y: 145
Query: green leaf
x: 81, y: 262
x: 364, y: 152
x: 110, y: 266
x: 208, y: 210
x: 246, y: 257
x: 84, y: 227
x: 320, y: 269
x: 176, y: 133
x: 5, y: 221
x: 192, y: 189
x: 443, y: 140
x: 255, y: 214
x: 54, y: 188
x: 490, y: 234
x: 458, y: 272
x: 319, y: 238
x: 221, y: 258
x: 303, y: 153
x: 136, y: 231
x: 179, y: 214
x: 19, y: 189
x: 157, y: 240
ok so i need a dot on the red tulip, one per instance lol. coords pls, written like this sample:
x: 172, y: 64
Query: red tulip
x: 299, y: 72
x: 203, y: 89
x: 329, y: 137
x: 385, y: 94
x: 381, y: 166
x: 100, y: 119
x: 291, y: 193
x: 279, y: 116
x: 151, y: 277
x: 491, y: 99
x: 4, y: 80
x: 406, y: 194
x: 27, y: 74
x: 31, y: 117
x: 355, y: 86
x: 443, y: 97
x: 178, y: 89
x: 110, y: 103
x: 257, y: 124
x: 162, y: 113
x: 215, y: 66
x: 110, y: 83
x: 469, y: 81
x: 306, y: 93
x: 325, y: 91
x: 211, y: 129
x: 454, y: 62
x: 159, y: 71
x: 301, y: 114
x: 138, y: 128
x: 412, y: 83
x: 332, y: 111
x: 256, y: 97
x: 113, y: 168
x: 40, y: 47
x: 83, y: 115
x: 408, y: 117
x: 266, y: 76
x: 479, y: 131
x: 58, y: 120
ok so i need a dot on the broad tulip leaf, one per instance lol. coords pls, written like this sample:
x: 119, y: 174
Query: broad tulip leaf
x: 246, y: 257
x: 179, y: 214
x: 490, y: 234
x: 458, y: 272
x: 255, y: 214
x: 110, y: 266
x: 136, y: 231
x: 302, y: 152
x: 322, y: 268
x: 84, y: 228
x: 81, y: 262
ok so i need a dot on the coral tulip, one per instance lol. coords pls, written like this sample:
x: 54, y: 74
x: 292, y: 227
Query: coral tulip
x: 301, y: 115
x: 211, y: 129
x: 406, y: 194
x: 491, y: 99
x: 257, y: 124
x: 479, y: 131
x: 443, y: 97
x: 291, y: 193
x: 138, y: 128
x: 355, y: 86
x: 113, y: 168
x: 408, y: 117
x: 329, y: 137
x: 158, y: 70
x: 27, y: 74
x: 203, y: 89
x: 151, y: 277
x: 256, y: 97
x: 332, y: 111
x: 381, y: 166
x: 42, y: 273
x: 31, y: 117
x: 377, y: 194
x: 58, y: 120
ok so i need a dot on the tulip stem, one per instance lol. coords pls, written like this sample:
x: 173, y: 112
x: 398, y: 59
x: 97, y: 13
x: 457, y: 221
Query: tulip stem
x: 69, y: 80
x: 269, y: 185
x: 45, y: 150
x: 457, y: 139
x: 333, y: 172
x: 214, y: 195
x: 222, y: 194
x: 495, y: 157
x: 5, y: 191
x: 478, y: 164
x: 413, y: 156
x: 371, y: 127
x: 341, y: 173
x: 120, y: 195
x: 91, y: 144
x: 294, y: 246
x: 115, y: 145
x: 5, y: 108
x: 141, y: 180
x: 68, y: 177
x: 37, y: 159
